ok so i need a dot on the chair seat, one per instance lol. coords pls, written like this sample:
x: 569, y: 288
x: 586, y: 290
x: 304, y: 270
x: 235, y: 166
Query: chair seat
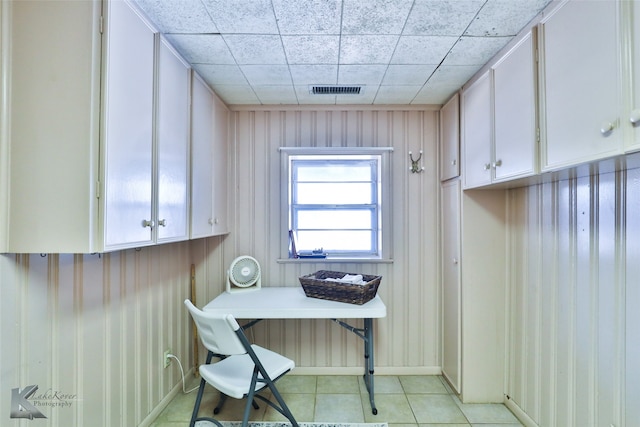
x: 232, y: 376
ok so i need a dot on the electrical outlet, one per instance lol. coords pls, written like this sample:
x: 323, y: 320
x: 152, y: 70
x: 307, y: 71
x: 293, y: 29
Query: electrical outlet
x: 166, y: 358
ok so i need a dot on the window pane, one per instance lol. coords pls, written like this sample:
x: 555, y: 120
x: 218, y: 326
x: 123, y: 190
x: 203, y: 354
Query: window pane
x: 334, y: 202
x: 338, y: 172
x: 335, y: 240
x: 332, y: 219
x: 333, y: 194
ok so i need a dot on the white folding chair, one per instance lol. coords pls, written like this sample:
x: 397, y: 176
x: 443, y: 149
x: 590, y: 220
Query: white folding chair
x: 244, y: 369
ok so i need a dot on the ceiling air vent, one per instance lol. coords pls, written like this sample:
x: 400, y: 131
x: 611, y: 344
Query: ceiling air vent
x: 334, y: 90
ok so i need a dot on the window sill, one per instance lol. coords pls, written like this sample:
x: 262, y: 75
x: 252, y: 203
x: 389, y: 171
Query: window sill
x: 334, y: 261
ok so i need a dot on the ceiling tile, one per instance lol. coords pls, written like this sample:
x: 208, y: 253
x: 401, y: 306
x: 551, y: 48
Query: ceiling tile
x: 311, y: 49
x: 441, y: 18
x: 202, y: 48
x: 221, y: 74
x: 314, y: 74
x: 185, y: 16
x: 408, y: 74
x: 242, y: 17
x: 276, y: 94
x: 236, y: 94
x: 504, y: 17
x: 304, y: 97
x: 422, y: 49
x: 367, y: 49
x: 308, y: 16
x: 396, y: 94
x: 361, y: 74
x: 366, y: 96
x: 374, y: 17
x: 256, y: 49
x: 443, y: 83
x: 452, y: 75
x: 266, y: 75
x: 475, y: 50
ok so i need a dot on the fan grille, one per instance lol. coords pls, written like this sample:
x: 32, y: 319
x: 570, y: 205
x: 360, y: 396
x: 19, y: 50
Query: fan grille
x: 245, y: 272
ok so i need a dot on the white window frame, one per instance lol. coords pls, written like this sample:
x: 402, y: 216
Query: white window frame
x: 384, y: 203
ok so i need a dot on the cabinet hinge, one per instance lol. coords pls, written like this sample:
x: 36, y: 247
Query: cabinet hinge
x: 97, y: 189
x: 538, y: 134
x: 101, y: 24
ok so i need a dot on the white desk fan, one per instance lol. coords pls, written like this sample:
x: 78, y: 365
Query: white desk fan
x: 243, y: 274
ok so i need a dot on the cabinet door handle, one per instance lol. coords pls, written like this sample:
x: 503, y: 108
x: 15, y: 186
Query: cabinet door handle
x: 606, y: 128
x: 497, y: 163
x: 162, y: 222
x: 455, y: 260
x: 487, y: 166
x: 635, y: 117
x: 147, y: 223
x: 454, y: 162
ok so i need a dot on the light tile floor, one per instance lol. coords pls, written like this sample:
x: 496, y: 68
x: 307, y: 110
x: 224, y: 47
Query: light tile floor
x: 402, y: 401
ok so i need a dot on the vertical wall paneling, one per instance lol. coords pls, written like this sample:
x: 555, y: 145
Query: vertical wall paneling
x: 573, y: 344
x: 547, y: 301
x: 631, y: 271
x: 92, y: 328
x: 408, y: 339
x: 5, y: 29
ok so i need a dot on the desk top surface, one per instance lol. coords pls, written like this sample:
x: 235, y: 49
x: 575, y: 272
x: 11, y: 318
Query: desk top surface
x: 291, y: 303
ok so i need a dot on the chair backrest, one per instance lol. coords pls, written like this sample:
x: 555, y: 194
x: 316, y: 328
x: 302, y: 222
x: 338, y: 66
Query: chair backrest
x: 217, y: 331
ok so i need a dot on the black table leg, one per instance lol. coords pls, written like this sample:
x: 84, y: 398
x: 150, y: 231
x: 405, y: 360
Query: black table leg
x: 367, y: 336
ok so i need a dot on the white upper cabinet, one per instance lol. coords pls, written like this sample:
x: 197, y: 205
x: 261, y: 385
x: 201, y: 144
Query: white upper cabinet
x: 52, y: 109
x: 220, y: 167
x: 499, y: 120
x: 201, y: 158
x: 515, y: 124
x: 128, y: 128
x: 172, y: 145
x: 477, y: 132
x: 450, y: 139
x: 581, y: 83
x: 98, y: 115
x: 209, y: 162
x: 631, y: 115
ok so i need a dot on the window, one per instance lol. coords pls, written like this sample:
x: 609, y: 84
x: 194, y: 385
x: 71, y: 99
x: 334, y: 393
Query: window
x: 334, y: 201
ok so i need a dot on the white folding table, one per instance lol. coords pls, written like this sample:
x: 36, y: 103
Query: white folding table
x: 292, y: 303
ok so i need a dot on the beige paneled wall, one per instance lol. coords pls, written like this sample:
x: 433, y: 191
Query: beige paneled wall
x: 95, y: 326
x: 574, y: 274
x: 408, y: 340
x: 90, y: 330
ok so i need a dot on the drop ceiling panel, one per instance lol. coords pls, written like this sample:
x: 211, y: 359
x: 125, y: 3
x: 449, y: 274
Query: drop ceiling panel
x: 402, y: 51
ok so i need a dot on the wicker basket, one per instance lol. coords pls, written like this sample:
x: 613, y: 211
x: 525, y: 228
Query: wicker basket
x: 315, y: 286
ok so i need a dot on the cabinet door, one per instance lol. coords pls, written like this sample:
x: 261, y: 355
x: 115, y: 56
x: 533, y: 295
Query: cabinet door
x: 632, y: 116
x: 49, y: 130
x: 172, y: 145
x: 450, y: 139
x: 220, y: 162
x: 451, y: 359
x: 476, y: 132
x: 128, y: 128
x: 515, y: 139
x: 201, y: 158
x: 581, y: 83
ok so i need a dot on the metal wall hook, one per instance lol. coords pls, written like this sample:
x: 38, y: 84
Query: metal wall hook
x: 415, y: 167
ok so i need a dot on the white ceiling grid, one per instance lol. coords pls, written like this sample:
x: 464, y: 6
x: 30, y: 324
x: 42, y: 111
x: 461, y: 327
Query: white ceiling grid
x: 401, y: 51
